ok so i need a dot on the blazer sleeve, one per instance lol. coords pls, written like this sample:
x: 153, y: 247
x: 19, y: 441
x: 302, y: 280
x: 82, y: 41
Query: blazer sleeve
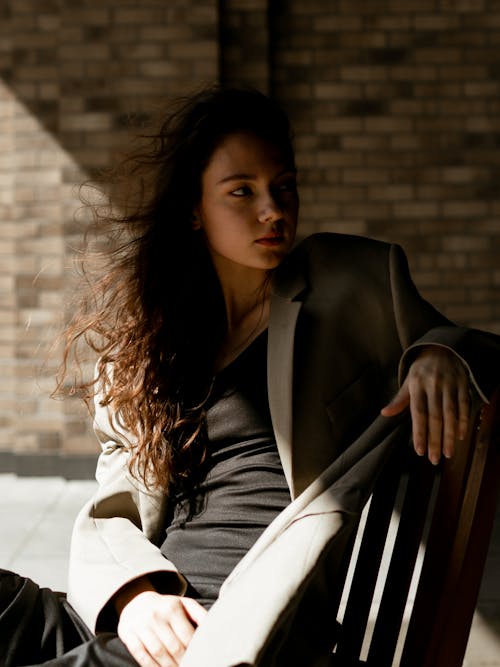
x: 117, y: 533
x: 420, y: 324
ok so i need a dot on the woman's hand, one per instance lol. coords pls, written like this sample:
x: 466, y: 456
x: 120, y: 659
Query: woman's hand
x: 437, y: 391
x: 157, y: 628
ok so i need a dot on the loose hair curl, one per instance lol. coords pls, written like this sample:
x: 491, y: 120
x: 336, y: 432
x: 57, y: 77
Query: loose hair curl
x: 154, y: 313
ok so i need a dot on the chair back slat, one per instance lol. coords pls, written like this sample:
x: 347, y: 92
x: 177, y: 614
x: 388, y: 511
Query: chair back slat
x: 412, y: 518
x: 448, y: 512
x: 368, y: 561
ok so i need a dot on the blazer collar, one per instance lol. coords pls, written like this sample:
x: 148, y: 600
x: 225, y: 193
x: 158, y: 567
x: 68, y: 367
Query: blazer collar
x: 287, y: 293
x: 289, y: 279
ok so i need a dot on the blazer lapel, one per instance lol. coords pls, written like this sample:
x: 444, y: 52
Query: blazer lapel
x: 288, y: 287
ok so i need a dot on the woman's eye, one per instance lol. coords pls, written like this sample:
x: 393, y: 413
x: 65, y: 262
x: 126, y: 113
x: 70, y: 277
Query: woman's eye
x: 241, y: 192
x: 288, y: 186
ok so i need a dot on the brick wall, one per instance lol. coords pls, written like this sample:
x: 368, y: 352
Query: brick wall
x: 395, y: 105
x: 73, y: 78
x: 245, y: 48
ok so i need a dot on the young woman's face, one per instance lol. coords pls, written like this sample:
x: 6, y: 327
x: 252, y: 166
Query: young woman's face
x: 249, y: 204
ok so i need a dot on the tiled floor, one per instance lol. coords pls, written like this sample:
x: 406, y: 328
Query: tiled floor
x: 37, y: 513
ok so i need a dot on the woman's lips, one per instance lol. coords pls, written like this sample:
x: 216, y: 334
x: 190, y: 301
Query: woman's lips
x: 271, y: 240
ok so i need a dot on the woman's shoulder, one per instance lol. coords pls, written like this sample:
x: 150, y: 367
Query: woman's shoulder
x: 343, y: 251
x: 321, y: 257
x: 339, y: 244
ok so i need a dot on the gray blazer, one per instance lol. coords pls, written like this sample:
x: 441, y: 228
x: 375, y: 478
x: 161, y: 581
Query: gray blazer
x: 345, y: 320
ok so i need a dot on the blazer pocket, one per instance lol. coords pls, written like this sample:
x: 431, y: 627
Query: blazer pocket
x: 356, y: 406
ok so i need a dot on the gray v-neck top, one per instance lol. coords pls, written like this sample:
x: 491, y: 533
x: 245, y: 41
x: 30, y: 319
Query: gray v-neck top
x: 244, y: 489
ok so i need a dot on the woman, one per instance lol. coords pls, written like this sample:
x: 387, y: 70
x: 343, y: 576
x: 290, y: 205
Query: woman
x: 196, y: 460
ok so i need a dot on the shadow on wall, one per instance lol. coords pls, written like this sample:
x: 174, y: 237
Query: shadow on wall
x: 74, y: 82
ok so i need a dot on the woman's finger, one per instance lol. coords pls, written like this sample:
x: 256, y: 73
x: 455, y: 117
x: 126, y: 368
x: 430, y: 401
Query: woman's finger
x: 194, y: 609
x: 399, y: 403
x: 162, y: 649
x: 450, y: 423
x: 418, y: 411
x: 182, y: 623
x: 434, y: 424
x: 139, y: 652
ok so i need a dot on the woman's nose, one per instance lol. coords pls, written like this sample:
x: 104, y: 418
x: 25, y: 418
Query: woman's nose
x: 270, y: 210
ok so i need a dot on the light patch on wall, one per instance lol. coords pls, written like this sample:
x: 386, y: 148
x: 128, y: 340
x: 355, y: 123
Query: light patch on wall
x: 39, y: 183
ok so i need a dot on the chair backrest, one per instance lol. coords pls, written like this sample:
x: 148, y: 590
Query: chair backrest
x: 432, y: 527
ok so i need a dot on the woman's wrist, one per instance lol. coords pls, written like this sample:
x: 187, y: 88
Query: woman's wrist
x: 130, y: 591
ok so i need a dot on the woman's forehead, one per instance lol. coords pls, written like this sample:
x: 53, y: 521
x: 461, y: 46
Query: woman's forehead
x: 246, y: 153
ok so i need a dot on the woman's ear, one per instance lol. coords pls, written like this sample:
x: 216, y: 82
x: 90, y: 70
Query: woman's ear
x: 195, y: 221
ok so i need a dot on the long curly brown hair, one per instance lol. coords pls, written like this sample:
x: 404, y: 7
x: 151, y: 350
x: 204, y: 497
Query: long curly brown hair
x: 154, y: 313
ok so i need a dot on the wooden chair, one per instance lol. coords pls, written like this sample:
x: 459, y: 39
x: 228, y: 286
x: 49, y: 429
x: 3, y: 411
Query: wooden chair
x: 449, y: 510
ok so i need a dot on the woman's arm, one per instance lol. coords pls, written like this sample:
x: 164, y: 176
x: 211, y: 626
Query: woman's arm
x: 117, y: 534
x: 438, y: 369
x: 119, y: 579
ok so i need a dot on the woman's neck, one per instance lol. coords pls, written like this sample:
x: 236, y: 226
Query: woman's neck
x: 247, y: 312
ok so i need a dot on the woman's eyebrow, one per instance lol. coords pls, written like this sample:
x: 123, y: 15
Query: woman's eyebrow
x: 237, y: 177
x: 253, y: 177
